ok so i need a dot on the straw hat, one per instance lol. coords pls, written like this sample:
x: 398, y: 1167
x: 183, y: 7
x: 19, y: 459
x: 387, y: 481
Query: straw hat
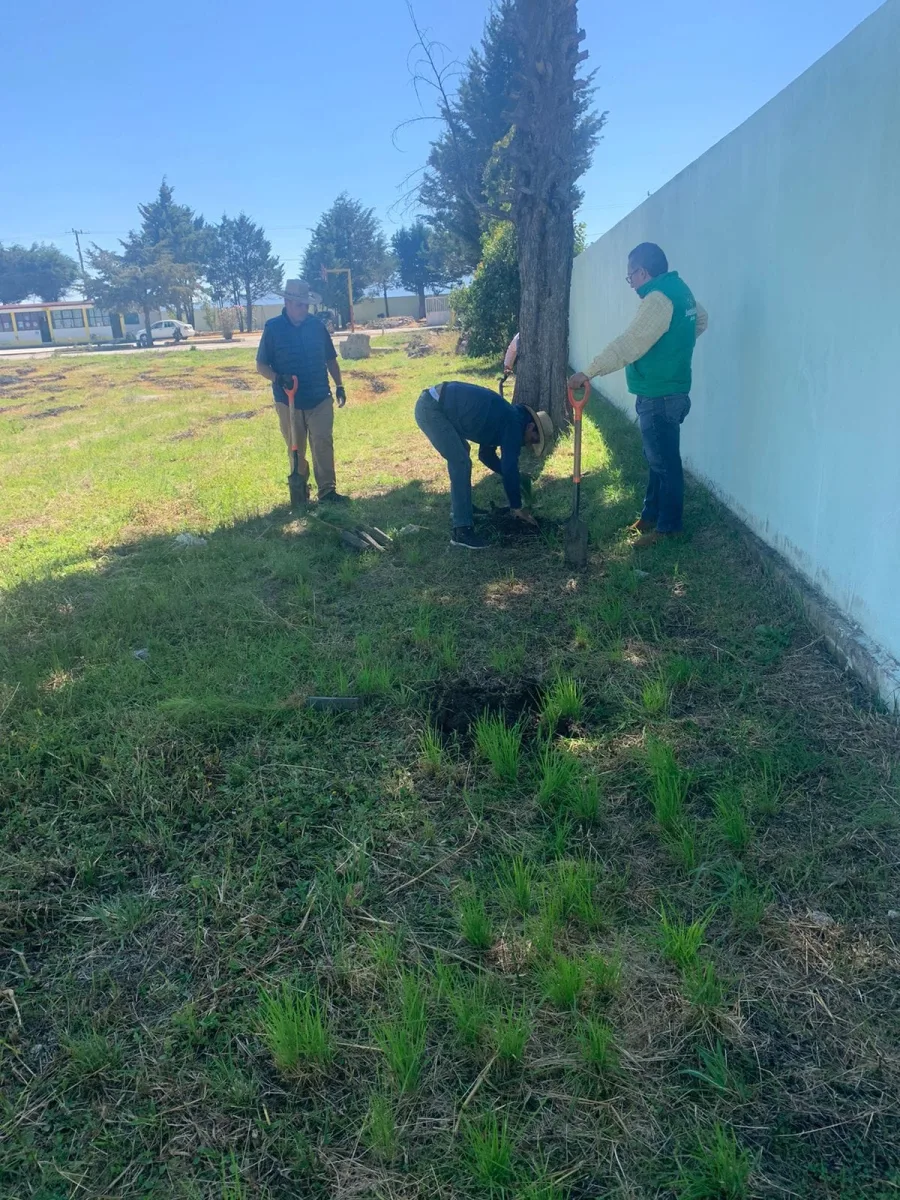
x: 544, y: 426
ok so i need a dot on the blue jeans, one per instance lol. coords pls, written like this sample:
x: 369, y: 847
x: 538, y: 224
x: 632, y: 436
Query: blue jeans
x: 452, y: 446
x: 660, y: 419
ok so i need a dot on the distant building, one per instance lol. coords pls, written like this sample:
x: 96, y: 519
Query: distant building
x: 63, y: 323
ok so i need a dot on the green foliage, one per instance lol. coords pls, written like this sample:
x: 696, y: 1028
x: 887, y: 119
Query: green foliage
x: 295, y: 1029
x: 142, y: 278
x: 421, y: 261
x: 655, y: 696
x: 487, y: 309
x: 462, y: 169
x: 605, y: 974
x: 242, y: 267
x: 747, y: 902
x: 91, y: 1056
x: 346, y: 235
x: 702, y: 986
x: 39, y: 270
x: 570, y: 890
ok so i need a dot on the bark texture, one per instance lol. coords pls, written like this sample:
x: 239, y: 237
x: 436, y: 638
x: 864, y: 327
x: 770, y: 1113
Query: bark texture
x: 545, y: 153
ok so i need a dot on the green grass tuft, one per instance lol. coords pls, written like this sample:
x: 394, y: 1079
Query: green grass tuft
x: 295, y: 1029
x: 380, y: 1128
x: 402, y: 1038
x: 596, y: 1044
x: 668, y: 785
x: 490, y: 1152
x: 474, y: 923
x: 558, y: 773
x: 515, y: 880
x: 509, y: 1034
x: 564, y: 980
x: 681, y: 942
x: 718, y: 1169
x: 563, y: 700
x: 500, y: 744
x: 731, y: 821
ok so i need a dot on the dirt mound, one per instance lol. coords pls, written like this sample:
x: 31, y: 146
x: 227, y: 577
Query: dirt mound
x: 246, y: 415
x: 458, y: 703
x: 52, y: 412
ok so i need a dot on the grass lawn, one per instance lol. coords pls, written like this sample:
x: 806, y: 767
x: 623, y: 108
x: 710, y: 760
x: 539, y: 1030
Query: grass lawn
x: 590, y: 899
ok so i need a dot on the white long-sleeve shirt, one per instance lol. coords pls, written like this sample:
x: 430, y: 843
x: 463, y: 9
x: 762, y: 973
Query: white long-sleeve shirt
x: 651, y: 321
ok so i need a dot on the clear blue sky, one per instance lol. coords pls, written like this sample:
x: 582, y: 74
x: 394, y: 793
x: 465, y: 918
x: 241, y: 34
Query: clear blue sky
x: 276, y: 108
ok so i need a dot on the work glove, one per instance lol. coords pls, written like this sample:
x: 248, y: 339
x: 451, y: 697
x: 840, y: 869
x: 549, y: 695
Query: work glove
x: 522, y: 514
x: 285, y: 381
x: 341, y: 395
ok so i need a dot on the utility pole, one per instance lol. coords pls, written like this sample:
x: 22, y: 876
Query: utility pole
x: 84, y: 289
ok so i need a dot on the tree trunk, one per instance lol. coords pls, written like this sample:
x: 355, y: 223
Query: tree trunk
x: 544, y: 196
x: 150, y: 341
x: 387, y: 307
x: 421, y: 290
x: 249, y: 311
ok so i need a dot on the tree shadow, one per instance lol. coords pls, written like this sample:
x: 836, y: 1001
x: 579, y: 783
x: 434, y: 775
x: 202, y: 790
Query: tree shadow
x: 70, y: 639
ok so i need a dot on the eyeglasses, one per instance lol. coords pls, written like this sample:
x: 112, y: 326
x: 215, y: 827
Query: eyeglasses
x: 631, y: 274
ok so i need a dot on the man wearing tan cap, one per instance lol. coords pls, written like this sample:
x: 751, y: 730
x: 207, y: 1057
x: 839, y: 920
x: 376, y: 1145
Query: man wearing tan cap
x: 296, y: 344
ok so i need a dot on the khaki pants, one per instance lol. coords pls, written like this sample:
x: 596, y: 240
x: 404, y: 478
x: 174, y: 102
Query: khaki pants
x: 316, y: 424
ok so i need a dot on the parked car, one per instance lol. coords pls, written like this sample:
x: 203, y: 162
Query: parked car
x: 164, y: 331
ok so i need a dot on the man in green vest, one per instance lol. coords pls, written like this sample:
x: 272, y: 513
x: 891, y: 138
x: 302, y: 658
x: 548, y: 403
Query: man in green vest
x: 656, y: 351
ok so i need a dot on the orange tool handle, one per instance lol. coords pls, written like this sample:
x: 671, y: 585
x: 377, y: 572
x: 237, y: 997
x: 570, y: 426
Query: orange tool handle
x: 577, y: 409
x: 579, y: 405
x: 291, y: 392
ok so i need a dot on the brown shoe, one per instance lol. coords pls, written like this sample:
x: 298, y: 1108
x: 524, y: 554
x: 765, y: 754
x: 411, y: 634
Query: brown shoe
x: 641, y: 526
x: 652, y: 538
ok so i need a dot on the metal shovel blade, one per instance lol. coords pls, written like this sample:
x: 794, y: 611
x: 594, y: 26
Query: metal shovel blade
x: 576, y: 542
x: 297, y: 488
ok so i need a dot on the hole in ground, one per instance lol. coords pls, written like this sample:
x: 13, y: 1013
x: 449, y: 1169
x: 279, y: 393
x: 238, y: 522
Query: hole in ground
x: 458, y: 703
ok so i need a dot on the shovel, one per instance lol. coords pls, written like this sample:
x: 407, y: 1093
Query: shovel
x: 296, y: 482
x: 576, y: 532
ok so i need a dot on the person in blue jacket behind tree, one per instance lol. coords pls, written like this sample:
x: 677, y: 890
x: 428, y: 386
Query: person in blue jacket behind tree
x: 451, y: 415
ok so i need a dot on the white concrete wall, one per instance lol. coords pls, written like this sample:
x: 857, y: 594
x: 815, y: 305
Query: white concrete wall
x: 788, y: 231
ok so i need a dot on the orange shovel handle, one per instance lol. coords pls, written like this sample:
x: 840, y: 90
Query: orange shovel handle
x: 577, y: 410
x: 291, y: 392
x: 578, y: 406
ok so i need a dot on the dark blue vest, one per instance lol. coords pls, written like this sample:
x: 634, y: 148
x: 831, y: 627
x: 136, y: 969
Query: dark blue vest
x: 303, y: 350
